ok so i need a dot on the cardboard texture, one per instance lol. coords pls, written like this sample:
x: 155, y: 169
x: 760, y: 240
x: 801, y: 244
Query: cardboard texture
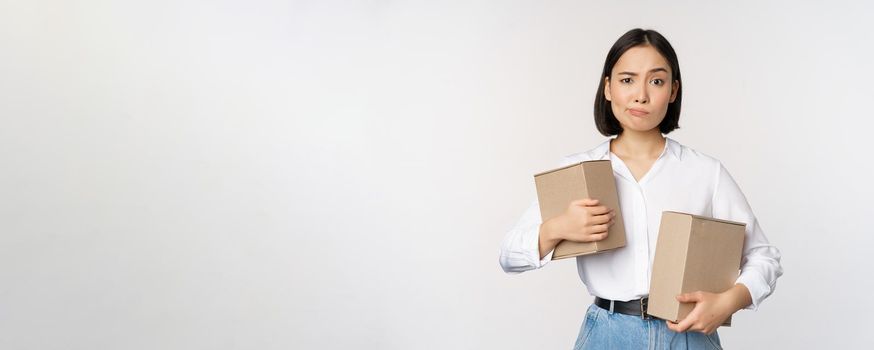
x: 557, y: 188
x: 693, y: 253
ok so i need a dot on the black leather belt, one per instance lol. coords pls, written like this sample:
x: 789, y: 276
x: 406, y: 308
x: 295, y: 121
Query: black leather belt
x: 636, y: 307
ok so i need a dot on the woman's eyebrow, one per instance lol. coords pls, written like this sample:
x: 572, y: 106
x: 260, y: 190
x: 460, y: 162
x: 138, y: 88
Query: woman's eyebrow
x: 658, y: 69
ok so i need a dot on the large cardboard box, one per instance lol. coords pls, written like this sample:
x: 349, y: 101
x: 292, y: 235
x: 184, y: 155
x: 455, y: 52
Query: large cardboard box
x: 557, y: 188
x: 693, y: 253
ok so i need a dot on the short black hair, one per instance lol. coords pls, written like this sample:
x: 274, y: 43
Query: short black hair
x: 606, y: 122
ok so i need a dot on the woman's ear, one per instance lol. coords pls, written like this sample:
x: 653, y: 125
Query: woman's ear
x: 674, y: 88
x: 607, y: 89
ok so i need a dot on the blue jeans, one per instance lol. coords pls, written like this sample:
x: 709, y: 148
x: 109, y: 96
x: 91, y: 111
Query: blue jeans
x: 603, y: 329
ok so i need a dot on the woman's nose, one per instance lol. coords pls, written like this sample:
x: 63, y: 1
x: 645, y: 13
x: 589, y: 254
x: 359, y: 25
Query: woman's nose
x: 642, y: 97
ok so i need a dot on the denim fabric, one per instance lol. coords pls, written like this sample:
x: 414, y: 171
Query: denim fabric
x: 602, y: 329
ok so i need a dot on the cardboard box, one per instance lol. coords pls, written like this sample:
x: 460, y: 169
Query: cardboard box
x: 557, y: 188
x: 693, y: 253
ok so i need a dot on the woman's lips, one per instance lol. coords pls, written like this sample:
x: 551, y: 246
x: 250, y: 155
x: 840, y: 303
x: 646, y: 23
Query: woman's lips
x: 637, y: 112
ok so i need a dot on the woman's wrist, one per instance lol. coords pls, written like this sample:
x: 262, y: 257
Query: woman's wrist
x: 739, y: 296
x: 549, y: 233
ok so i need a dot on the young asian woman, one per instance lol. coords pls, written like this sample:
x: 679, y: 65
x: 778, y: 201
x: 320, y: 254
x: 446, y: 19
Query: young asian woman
x: 638, y: 103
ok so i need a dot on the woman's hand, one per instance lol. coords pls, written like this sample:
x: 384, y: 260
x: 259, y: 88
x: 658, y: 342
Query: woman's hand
x: 583, y: 221
x: 711, y: 309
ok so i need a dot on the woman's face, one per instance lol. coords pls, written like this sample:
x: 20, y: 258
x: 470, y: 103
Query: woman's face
x: 639, y: 88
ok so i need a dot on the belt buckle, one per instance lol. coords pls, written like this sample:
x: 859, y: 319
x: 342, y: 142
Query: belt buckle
x: 643, y: 305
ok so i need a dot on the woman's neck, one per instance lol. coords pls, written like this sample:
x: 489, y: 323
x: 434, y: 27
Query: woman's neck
x: 638, y: 145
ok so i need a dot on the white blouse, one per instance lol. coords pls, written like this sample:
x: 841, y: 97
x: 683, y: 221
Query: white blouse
x: 681, y: 180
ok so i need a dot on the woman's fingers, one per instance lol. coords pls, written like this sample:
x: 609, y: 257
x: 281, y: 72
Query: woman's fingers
x: 591, y: 233
x: 596, y: 229
x: 601, y: 219
x: 587, y: 202
x: 595, y: 237
x: 590, y: 220
x: 598, y: 210
x: 682, y: 326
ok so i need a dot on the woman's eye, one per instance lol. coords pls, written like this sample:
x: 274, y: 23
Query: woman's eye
x: 658, y: 82
x: 625, y: 80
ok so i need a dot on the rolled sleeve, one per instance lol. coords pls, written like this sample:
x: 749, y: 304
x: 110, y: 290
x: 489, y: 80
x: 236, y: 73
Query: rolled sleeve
x: 520, y: 250
x: 760, y: 264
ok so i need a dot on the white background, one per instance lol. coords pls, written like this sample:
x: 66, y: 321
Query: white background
x: 326, y: 175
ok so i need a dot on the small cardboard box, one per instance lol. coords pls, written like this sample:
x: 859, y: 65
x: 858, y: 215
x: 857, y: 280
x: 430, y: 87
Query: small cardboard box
x: 693, y: 253
x: 557, y: 188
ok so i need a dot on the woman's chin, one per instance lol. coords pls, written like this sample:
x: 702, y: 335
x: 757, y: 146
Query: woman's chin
x: 639, y: 128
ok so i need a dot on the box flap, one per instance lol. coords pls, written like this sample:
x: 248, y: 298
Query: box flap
x: 568, y: 166
x: 707, y: 218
